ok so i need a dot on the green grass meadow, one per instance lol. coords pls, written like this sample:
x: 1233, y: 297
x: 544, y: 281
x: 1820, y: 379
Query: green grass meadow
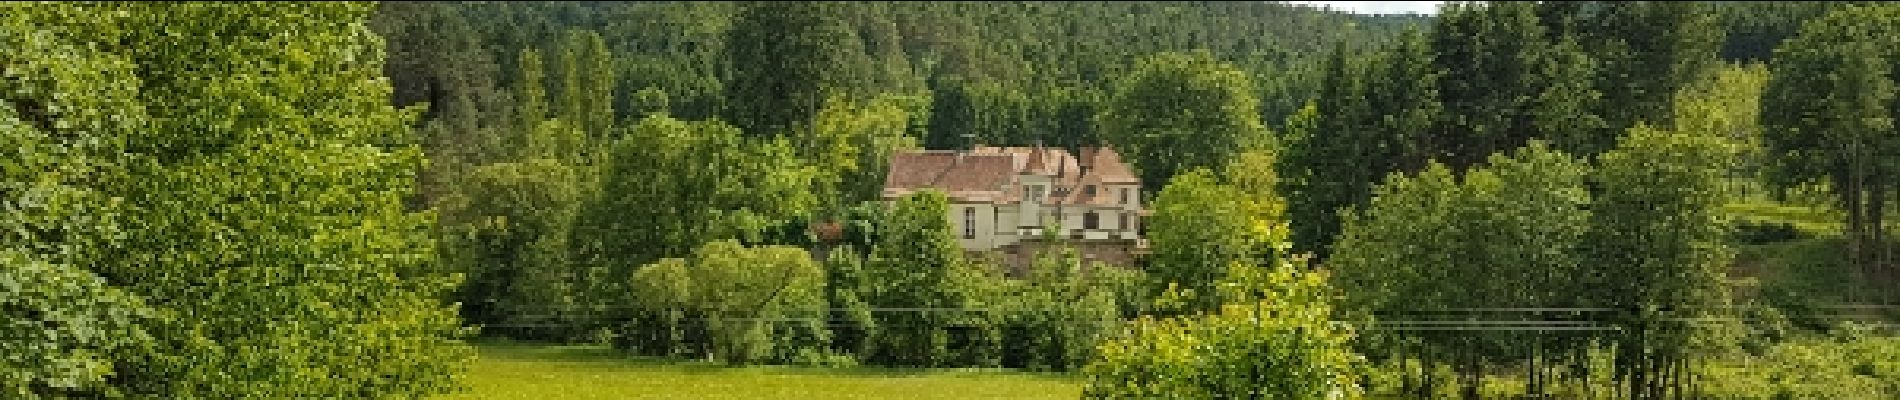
x: 537, y: 371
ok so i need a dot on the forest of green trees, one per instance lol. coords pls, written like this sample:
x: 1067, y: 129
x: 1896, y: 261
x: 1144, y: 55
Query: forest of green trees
x: 330, y: 199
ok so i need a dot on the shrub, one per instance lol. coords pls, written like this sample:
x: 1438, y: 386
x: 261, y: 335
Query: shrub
x: 736, y: 304
x: 1282, y: 346
x: 1750, y: 232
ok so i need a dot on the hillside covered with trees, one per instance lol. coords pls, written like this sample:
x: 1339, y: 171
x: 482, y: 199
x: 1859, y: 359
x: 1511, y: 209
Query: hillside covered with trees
x: 1570, y: 199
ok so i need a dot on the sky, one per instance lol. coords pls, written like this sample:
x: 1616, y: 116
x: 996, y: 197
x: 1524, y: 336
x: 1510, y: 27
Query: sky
x: 1379, y: 7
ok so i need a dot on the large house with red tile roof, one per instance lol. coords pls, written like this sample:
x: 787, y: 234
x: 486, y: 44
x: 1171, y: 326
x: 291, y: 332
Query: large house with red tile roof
x: 1001, y: 198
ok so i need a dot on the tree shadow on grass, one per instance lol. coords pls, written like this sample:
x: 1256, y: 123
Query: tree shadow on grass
x: 597, y: 355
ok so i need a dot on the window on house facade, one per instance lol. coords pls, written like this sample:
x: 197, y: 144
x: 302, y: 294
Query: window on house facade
x: 1089, y: 190
x: 1090, y: 221
x: 969, y: 223
x: 1124, y: 196
x: 1121, y: 221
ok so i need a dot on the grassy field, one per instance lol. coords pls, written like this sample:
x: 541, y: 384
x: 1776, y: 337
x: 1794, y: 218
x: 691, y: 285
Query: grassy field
x: 532, y: 371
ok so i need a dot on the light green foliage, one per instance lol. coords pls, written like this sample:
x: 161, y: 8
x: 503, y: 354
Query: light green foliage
x: 914, y: 265
x: 1728, y: 105
x: 1660, y: 240
x: 1505, y: 235
x: 64, y: 107
x: 650, y: 101
x: 853, y: 146
x: 1283, y: 344
x: 752, y: 304
x: 671, y: 186
x: 64, y: 330
x: 1180, y: 111
x: 587, y: 81
x: 522, y: 371
x: 530, y: 91
x: 1201, y: 231
x: 261, y: 196
x: 1842, y: 365
x: 939, y: 309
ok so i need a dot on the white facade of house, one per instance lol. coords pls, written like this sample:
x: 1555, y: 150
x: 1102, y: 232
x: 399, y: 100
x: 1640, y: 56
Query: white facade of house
x: 1002, y: 196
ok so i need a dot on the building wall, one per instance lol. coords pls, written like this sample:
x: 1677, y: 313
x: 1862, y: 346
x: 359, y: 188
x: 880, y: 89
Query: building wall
x: 998, y: 225
x: 985, y: 226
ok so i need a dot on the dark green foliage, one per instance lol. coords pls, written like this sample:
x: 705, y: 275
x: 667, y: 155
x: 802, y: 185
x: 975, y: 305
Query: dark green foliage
x: 1756, y: 28
x: 1753, y: 232
x: 1053, y: 319
x: 671, y: 186
x: 786, y: 59
x: 952, y: 115
x: 1180, y: 111
x: 1496, y: 63
x: 1646, y: 50
x: 1827, y: 114
x: 852, y: 325
x: 514, y: 247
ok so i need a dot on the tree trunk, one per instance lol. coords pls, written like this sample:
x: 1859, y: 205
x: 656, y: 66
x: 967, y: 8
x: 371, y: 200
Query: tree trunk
x: 1851, y: 199
x: 1878, y: 255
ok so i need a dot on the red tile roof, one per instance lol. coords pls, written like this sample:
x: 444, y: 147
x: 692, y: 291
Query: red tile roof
x: 987, y: 174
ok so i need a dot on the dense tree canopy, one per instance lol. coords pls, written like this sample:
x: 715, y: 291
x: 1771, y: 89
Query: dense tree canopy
x: 1180, y: 111
x: 265, y: 177
x: 1828, y: 112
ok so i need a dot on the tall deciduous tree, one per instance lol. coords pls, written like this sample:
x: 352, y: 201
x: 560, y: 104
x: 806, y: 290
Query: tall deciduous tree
x: 1504, y: 235
x: 1180, y: 111
x: 851, y: 146
x: 1204, y: 231
x: 263, y: 217
x: 912, y: 265
x: 1828, y: 113
x: 588, y: 77
x: 786, y: 59
x: 66, y: 331
x: 673, y: 185
x: 514, y: 246
x: 1658, y: 240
